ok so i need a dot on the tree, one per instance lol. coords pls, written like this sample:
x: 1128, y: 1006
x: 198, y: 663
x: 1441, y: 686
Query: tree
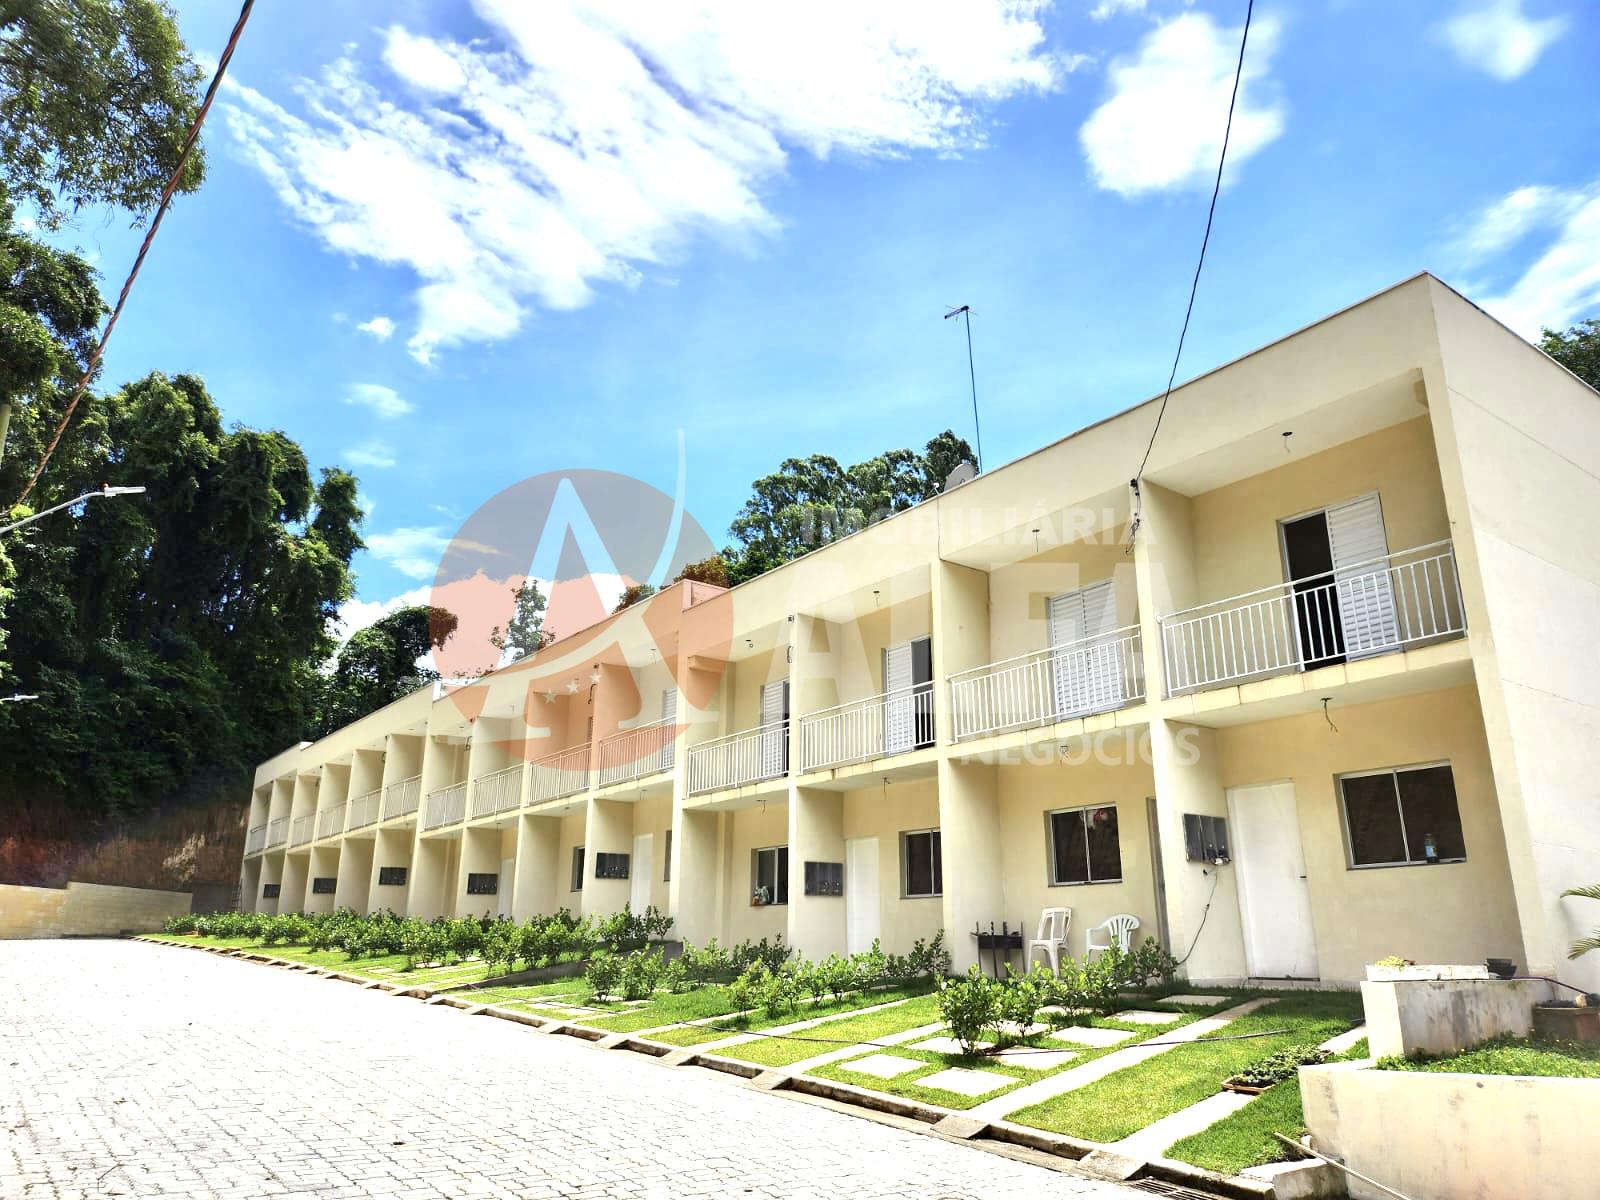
x: 1578, y: 350
x: 810, y: 502
x: 96, y: 98
x: 713, y: 570
x: 525, y: 632
x: 634, y: 593
x: 379, y: 664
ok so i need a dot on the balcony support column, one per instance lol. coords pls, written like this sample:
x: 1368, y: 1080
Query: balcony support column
x: 431, y: 865
x: 480, y: 855
x: 325, y: 862
x: 816, y: 834
x: 271, y: 872
x: 695, y: 887
x: 390, y: 848
x: 352, y: 888
x: 607, y: 830
x: 538, y: 872
x: 295, y: 882
x: 960, y: 633
x: 250, y: 885
x: 969, y: 823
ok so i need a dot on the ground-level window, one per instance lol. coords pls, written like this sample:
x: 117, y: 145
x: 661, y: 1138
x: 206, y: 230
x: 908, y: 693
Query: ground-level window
x: 577, y: 868
x: 1084, y: 845
x: 769, y: 875
x: 666, y: 871
x: 921, y: 863
x: 1400, y: 817
x: 610, y: 865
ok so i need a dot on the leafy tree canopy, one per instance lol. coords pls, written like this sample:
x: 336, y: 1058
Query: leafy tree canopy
x: 525, y: 632
x: 634, y: 593
x: 809, y: 502
x: 96, y: 97
x: 379, y: 664
x: 1578, y: 350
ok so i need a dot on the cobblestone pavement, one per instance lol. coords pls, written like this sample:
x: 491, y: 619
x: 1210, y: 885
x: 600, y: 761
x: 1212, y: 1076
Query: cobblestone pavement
x: 129, y: 1069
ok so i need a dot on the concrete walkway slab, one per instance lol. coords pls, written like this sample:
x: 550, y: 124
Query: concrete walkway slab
x: 1152, y: 1141
x: 1033, y: 1059
x: 965, y: 1082
x: 885, y: 1066
x: 943, y: 1045
x: 1091, y: 1035
x: 1192, y: 998
x: 843, y: 1052
x: 1141, y: 1016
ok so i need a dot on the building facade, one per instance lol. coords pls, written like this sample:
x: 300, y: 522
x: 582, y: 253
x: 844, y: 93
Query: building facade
x: 1321, y: 689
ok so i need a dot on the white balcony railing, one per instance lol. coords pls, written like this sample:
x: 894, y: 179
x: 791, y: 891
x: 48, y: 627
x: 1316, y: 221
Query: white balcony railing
x: 303, y: 828
x: 364, y: 808
x: 1075, y: 679
x: 1404, y: 599
x: 330, y: 821
x: 277, y: 831
x: 498, y: 792
x: 637, y: 752
x: 255, y: 840
x: 739, y: 758
x: 554, y: 776
x: 402, y: 798
x: 892, y: 723
x: 446, y: 806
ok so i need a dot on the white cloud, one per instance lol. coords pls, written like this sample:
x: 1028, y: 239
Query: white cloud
x: 1106, y: 9
x: 1562, y: 283
x: 415, y: 551
x: 381, y: 328
x: 384, y: 401
x: 358, y: 614
x: 1498, y: 38
x: 1161, y: 127
x: 374, y: 454
x: 585, y: 139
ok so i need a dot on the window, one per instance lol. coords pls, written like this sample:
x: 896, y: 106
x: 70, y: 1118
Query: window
x: 610, y: 866
x: 1399, y: 817
x: 577, y: 868
x: 391, y: 877
x: 482, y: 884
x: 824, y: 878
x: 666, y: 871
x: 269, y: 891
x: 1084, y: 846
x: 769, y: 875
x: 921, y: 863
x: 324, y: 885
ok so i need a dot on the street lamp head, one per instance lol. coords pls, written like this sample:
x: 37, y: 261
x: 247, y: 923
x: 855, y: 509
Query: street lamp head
x: 108, y: 490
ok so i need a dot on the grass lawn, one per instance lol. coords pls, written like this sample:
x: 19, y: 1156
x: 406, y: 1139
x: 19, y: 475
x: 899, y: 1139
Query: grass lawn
x: 694, y: 1035
x: 1510, y: 1056
x: 388, y: 967
x: 1127, y: 1100
x: 780, y: 1052
x: 665, y: 1008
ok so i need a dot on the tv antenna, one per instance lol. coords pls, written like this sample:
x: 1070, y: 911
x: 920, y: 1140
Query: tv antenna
x: 965, y: 313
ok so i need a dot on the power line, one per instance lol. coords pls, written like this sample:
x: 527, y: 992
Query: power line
x: 1194, y: 286
x: 144, y: 247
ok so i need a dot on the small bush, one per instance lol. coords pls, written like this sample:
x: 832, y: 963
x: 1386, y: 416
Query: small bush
x: 970, y: 1007
x: 641, y: 973
x: 1279, y: 1065
x: 603, y: 974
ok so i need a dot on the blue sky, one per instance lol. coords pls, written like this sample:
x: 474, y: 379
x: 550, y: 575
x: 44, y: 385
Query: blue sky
x: 574, y: 229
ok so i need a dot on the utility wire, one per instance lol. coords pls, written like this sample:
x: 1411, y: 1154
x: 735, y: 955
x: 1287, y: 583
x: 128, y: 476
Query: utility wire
x: 1194, y: 286
x: 167, y: 193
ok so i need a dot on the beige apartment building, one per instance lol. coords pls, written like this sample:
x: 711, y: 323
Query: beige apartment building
x: 1325, y: 688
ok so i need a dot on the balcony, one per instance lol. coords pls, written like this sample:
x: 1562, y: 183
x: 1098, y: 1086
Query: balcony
x: 638, y: 752
x: 446, y: 806
x: 277, y: 832
x: 1075, y: 679
x: 740, y: 758
x: 498, y: 792
x: 402, y: 798
x: 255, y: 840
x: 892, y: 723
x: 559, y: 775
x: 303, y: 828
x: 364, y: 808
x: 1406, y: 599
x: 330, y: 822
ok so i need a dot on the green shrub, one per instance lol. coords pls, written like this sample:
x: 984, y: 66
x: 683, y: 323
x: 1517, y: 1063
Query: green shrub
x: 675, y: 977
x: 641, y: 973
x: 708, y: 964
x: 603, y: 974
x: 1021, y: 995
x: 180, y: 924
x: 748, y: 988
x: 1279, y: 1065
x: 970, y: 1007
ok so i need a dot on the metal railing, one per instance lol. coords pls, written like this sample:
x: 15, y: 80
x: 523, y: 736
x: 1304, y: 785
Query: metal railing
x: 303, y: 828
x: 555, y: 776
x: 446, y: 806
x: 1093, y: 675
x: 740, y: 758
x: 1375, y: 607
x: 637, y: 752
x: 498, y: 792
x: 330, y: 821
x: 892, y: 723
x: 255, y: 840
x: 402, y: 798
x: 277, y: 831
x: 364, y: 808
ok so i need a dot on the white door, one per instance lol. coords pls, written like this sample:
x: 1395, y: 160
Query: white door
x: 508, y: 869
x: 639, y: 874
x: 669, y: 719
x: 1270, y: 867
x: 1361, y: 576
x: 774, y: 708
x: 1088, y: 675
x: 899, y: 724
x: 861, y: 914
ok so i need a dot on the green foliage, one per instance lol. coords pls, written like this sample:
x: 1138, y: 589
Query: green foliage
x: 525, y: 632
x: 604, y: 974
x: 1583, y: 945
x: 810, y: 502
x: 378, y: 665
x: 1279, y: 1065
x: 1578, y: 349
x: 713, y: 570
x: 971, y: 1007
x: 1510, y: 1056
x: 748, y: 987
x: 96, y: 97
x: 634, y: 593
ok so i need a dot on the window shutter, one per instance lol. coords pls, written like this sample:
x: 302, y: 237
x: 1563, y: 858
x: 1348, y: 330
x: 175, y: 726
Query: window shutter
x: 1365, y: 592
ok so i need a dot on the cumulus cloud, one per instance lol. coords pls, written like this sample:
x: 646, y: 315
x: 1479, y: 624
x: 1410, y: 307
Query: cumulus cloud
x: 381, y: 328
x: 1106, y: 9
x: 1161, y: 126
x: 376, y: 455
x: 414, y: 551
x: 1561, y: 283
x: 1500, y: 39
x: 585, y: 139
x: 358, y: 614
x: 384, y: 401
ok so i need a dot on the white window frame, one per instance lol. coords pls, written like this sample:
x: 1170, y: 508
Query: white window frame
x: 755, y: 873
x: 580, y: 862
x: 1394, y: 774
x: 935, y: 865
x: 1050, y: 845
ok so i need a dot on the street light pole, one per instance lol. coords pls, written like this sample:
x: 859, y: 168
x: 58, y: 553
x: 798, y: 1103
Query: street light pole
x: 105, y: 490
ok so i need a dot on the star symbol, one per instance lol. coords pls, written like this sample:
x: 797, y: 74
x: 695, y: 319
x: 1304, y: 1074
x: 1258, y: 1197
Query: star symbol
x: 549, y: 697
x: 572, y: 687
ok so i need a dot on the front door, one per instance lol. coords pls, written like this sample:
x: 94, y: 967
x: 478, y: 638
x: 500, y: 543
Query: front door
x: 908, y: 696
x: 1336, y: 560
x: 639, y: 873
x: 508, y: 873
x: 775, y: 728
x: 860, y: 894
x: 1270, y: 866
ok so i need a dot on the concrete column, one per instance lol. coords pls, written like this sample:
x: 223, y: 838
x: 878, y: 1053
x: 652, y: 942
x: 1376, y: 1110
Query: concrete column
x: 325, y: 862
x: 816, y: 834
x: 480, y: 854
x: 271, y: 872
x: 969, y: 822
x: 366, y: 772
x: 295, y: 882
x: 960, y: 633
x: 608, y: 830
x: 390, y: 848
x: 354, y: 887
x: 250, y: 885
x: 697, y: 876
x: 540, y: 878
x: 431, y: 894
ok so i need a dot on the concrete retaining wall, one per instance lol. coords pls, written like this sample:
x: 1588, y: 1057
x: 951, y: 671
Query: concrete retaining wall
x: 85, y: 910
x: 1443, y: 1016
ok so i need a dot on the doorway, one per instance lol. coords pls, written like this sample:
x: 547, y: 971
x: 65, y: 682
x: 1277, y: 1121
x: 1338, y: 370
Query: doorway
x: 1336, y: 562
x: 1270, y: 866
x: 640, y: 873
x: 908, y: 696
x: 861, y: 904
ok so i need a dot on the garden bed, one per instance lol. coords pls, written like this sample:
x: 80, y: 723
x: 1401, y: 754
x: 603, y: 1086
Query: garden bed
x: 1510, y: 1056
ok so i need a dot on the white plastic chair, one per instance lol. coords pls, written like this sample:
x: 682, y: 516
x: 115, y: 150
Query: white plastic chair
x: 1051, y: 936
x: 1118, y: 930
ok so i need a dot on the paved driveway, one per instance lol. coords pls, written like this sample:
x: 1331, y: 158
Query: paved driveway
x: 129, y: 1069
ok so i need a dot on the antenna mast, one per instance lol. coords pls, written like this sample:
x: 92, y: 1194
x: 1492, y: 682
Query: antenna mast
x: 965, y: 313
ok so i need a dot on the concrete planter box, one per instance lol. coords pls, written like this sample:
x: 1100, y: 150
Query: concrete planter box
x: 1378, y: 974
x: 1442, y: 1016
x: 1455, y: 1137
x: 1568, y: 1023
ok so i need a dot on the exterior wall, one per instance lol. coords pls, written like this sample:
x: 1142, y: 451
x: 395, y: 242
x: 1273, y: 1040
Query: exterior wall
x: 572, y: 836
x: 1448, y: 913
x: 886, y: 813
x: 744, y: 832
x: 85, y: 910
x: 1019, y: 595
